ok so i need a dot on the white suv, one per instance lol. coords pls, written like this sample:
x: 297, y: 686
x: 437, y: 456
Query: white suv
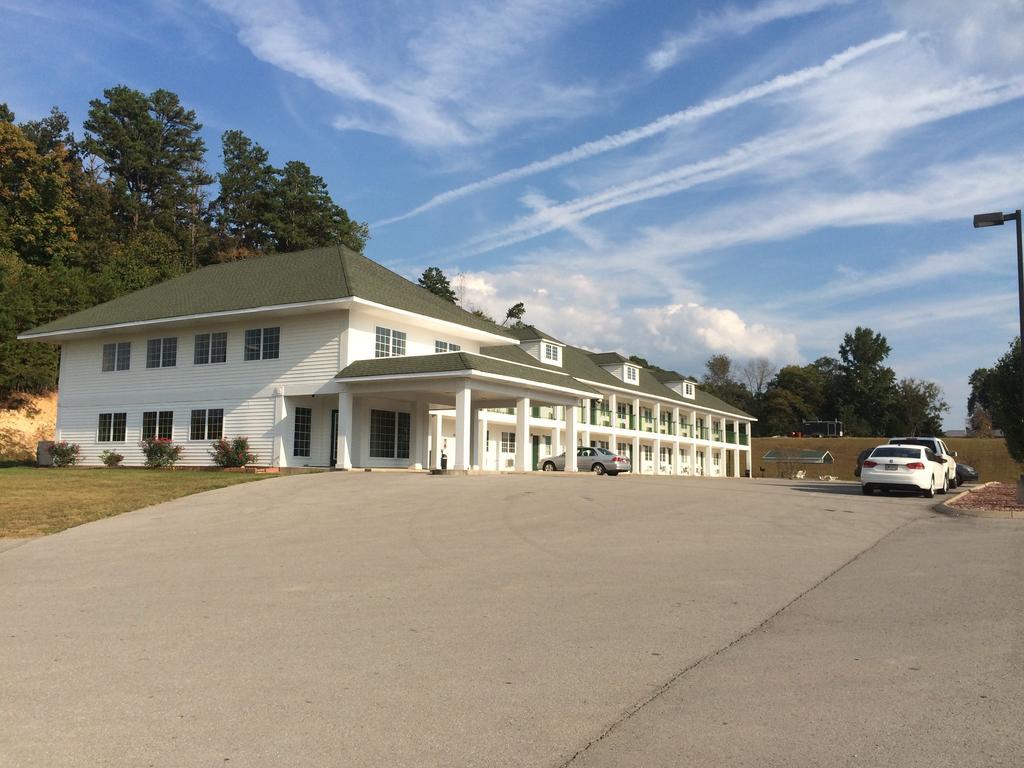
x: 938, y: 448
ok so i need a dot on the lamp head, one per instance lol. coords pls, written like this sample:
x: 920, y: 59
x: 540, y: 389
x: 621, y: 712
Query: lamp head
x: 989, y: 219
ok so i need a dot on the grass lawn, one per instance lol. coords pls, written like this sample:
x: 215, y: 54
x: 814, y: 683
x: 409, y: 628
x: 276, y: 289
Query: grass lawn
x: 988, y: 456
x: 36, y: 501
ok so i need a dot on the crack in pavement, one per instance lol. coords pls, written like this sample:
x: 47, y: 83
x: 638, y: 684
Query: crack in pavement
x: 670, y: 683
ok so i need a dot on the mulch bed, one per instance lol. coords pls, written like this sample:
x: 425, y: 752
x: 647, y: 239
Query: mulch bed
x: 994, y: 497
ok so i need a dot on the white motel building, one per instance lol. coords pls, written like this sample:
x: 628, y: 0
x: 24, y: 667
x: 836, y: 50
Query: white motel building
x: 326, y: 358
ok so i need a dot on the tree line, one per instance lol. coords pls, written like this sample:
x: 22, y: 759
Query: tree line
x: 996, y: 402
x: 131, y: 202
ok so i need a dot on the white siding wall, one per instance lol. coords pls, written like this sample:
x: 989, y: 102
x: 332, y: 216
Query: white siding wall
x: 363, y: 322
x: 310, y: 354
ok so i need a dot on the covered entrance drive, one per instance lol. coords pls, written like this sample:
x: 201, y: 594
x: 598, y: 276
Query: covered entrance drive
x: 391, y: 410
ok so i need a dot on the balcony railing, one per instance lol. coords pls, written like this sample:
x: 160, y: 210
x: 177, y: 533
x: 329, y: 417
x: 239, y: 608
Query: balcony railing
x: 744, y: 439
x: 624, y: 421
x: 716, y: 434
x: 543, y: 412
x: 730, y: 436
x: 701, y: 433
x: 667, y: 427
x: 600, y: 417
x: 646, y: 424
x: 684, y: 430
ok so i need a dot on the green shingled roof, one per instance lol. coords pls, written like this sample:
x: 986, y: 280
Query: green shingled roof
x: 461, y: 361
x: 319, y: 274
x: 531, y: 333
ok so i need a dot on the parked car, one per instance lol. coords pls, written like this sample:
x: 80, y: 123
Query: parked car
x: 600, y: 461
x: 938, y: 448
x: 904, y: 468
x: 860, y: 460
x: 966, y: 474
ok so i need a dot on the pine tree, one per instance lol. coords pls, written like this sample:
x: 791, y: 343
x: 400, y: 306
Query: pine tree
x: 434, y: 280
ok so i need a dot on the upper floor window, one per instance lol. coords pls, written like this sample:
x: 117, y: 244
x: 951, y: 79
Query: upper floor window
x: 440, y: 346
x: 389, y: 343
x: 688, y: 389
x: 210, y: 348
x: 117, y: 356
x: 632, y: 374
x: 162, y: 353
x: 263, y: 343
x: 552, y: 352
x: 112, y: 427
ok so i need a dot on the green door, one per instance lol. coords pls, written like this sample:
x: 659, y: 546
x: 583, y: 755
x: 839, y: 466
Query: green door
x: 536, y: 450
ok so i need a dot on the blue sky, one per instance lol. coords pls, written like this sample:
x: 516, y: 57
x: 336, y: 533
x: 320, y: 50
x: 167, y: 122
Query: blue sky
x: 667, y: 178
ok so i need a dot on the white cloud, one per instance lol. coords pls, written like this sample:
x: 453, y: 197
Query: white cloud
x: 663, y: 124
x: 985, y: 34
x: 434, y: 78
x: 731, y: 22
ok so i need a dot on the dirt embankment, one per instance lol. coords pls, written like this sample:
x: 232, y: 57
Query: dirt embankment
x: 20, y: 430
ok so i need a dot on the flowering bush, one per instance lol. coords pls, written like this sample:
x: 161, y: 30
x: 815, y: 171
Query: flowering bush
x: 160, y: 452
x: 111, y: 458
x: 65, y: 454
x: 232, y: 453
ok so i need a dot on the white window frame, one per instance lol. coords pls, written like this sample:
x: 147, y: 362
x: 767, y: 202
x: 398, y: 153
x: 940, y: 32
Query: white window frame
x: 631, y: 374
x: 508, y: 442
x: 120, y: 352
x: 389, y: 342
x: 688, y: 389
x: 446, y: 346
x: 552, y: 352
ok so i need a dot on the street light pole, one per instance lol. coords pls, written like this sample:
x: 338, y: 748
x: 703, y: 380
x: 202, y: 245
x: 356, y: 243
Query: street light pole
x: 994, y: 220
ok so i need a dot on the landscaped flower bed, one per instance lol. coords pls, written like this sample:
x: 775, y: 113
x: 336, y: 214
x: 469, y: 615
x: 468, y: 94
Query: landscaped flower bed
x: 994, y: 497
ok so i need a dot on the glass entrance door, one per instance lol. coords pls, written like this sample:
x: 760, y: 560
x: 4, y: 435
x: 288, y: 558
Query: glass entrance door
x: 334, y: 437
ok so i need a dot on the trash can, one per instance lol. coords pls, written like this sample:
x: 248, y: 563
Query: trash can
x: 746, y: 473
x: 444, y: 460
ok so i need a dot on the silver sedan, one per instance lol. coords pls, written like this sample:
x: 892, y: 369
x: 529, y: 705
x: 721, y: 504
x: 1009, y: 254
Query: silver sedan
x: 600, y: 461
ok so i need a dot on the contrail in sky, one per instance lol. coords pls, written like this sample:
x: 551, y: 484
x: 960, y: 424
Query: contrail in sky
x: 662, y: 124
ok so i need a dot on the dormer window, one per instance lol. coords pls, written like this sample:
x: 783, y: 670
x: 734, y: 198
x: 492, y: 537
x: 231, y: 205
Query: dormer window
x: 552, y: 352
x: 688, y: 389
x: 631, y: 374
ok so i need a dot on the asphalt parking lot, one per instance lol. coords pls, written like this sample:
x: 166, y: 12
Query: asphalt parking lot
x: 356, y: 619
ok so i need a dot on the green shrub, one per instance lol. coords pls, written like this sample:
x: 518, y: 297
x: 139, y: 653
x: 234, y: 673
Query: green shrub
x: 111, y: 458
x: 232, y: 453
x: 160, y: 452
x: 65, y: 454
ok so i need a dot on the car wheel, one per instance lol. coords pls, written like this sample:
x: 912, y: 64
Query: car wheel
x: 598, y: 469
x: 549, y: 466
x: 867, y: 490
x: 930, y: 493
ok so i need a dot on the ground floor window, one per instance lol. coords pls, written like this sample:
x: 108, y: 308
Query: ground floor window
x: 303, y: 431
x: 647, y: 452
x: 389, y: 434
x: 159, y: 424
x: 716, y: 460
x: 666, y: 455
x: 112, y: 427
x: 207, y: 424
x: 508, y: 442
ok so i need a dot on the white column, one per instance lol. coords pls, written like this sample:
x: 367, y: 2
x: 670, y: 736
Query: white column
x: 438, y: 439
x: 277, y: 458
x: 693, y: 459
x: 585, y: 428
x: 636, y: 413
x: 735, y: 462
x: 657, y: 438
x: 475, y: 454
x: 421, y: 428
x: 613, y: 406
x: 523, y: 463
x: 463, y: 425
x: 556, y: 437
x: 346, y: 413
x: 481, y: 454
x: 570, y: 438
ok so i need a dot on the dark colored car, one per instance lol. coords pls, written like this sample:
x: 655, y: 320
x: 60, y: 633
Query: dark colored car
x: 860, y: 460
x: 965, y: 474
